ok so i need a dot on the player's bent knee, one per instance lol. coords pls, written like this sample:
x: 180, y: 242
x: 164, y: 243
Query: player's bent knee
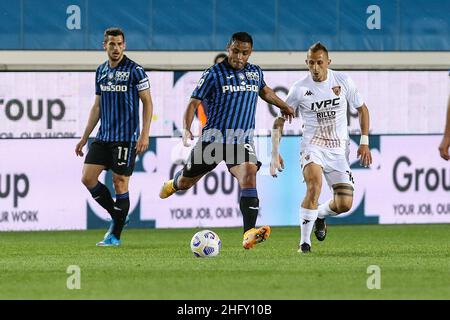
x: 119, y: 182
x: 343, y: 206
x: 88, y: 182
x: 121, y: 188
x: 248, y: 181
x: 117, y: 179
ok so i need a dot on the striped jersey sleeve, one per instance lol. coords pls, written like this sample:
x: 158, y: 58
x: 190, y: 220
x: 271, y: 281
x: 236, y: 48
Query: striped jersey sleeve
x: 98, y: 91
x: 205, y: 85
x: 262, y: 83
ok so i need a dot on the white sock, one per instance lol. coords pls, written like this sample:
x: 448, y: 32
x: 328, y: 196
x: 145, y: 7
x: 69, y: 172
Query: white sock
x: 325, y: 211
x: 307, y: 219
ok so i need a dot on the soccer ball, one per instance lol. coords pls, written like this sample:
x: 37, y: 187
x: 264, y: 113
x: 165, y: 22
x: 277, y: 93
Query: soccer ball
x: 205, y: 243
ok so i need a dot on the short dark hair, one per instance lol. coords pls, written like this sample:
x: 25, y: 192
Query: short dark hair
x: 113, y: 32
x: 220, y: 56
x: 241, y: 36
x: 318, y: 47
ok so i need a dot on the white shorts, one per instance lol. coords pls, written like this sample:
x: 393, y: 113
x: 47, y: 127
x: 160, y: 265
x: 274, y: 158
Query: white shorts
x: 336, y: 167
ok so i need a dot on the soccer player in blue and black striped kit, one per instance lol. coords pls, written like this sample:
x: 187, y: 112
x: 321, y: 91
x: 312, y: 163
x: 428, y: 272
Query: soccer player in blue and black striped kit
x: 119, y: 84
x: 231, y: 89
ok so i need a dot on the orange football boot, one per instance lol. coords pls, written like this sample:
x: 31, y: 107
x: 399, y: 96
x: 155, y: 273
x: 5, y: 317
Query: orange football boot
x: 255, y: 236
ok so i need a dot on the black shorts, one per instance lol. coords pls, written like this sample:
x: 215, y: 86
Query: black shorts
x: 117, y: 156
x: 205, y: 156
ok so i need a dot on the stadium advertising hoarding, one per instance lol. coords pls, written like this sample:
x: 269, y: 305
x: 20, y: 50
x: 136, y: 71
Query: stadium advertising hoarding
x: 40, y: 187
x: 407, y: 183
x: 57, y: 104
x: 410, y: 182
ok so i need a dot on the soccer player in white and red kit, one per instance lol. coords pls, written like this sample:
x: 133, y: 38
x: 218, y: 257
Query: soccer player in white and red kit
x: 321, y: 98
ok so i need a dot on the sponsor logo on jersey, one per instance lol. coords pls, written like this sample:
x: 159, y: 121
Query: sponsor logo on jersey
x: 122, y: 76
x: 326, y: 114
x: 114, y: 88
x: 252, y: 76
x: 247, y: 87
x: 308, y: 93
x: 325, y: 104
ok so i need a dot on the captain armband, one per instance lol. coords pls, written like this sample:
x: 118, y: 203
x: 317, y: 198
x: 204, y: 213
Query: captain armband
x: 143, y: 84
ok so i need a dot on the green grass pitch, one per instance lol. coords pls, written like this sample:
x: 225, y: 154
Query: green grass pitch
x: 414, y: 262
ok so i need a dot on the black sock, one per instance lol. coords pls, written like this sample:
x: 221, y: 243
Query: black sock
x: 123, y: 203
x: 101, y: 194
x: 249, y: 205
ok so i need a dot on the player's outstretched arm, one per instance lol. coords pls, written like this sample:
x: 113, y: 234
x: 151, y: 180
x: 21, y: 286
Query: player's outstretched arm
x: 276, y: 162
x: 268, y: 95
x: 445, y: 143
x: 147, y: 113
x: 94, y: 116
x: 364, y: 150
x: 187, y: 121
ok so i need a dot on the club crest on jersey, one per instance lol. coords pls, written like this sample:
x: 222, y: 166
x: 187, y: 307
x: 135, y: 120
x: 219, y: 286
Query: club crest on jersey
x: 110, y: 75
x: 242, y: 78
x: 337, y: 90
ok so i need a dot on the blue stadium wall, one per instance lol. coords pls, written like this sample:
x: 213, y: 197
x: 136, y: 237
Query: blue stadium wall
x: 277, y: 25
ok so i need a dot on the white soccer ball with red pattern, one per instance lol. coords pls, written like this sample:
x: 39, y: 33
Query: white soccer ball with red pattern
x: 205, y: 243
